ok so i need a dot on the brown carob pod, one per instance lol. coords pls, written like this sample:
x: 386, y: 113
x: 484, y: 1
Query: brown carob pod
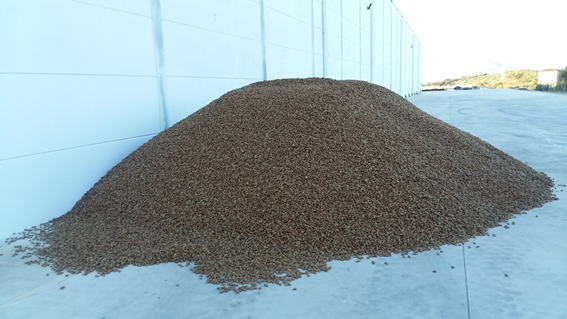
x: 275, y: 179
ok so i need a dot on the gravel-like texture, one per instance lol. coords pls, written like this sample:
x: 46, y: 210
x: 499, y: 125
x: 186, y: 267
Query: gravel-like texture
x: 280, y: 177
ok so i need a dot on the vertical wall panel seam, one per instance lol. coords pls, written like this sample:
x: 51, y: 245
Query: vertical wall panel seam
x: 160, y: 62
x: 360, y: 39
x: 324, y: 35
x: 342, y: 41
x: 400, y: 72
x: 391, y: 86
x: 312, y: 39
x: 384, y: 69
x: 263, y: 41
x: 412, y: 65
x: 371, y: 45
x: 420, y: 66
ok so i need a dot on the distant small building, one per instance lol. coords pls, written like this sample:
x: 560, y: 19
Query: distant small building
x: 548, y: 76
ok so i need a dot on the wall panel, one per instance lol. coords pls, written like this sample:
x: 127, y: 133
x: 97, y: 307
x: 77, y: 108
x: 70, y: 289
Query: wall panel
x: 42, y: 113
x: 211, y: 54
x: 66, y: 37
x: 288, y: 63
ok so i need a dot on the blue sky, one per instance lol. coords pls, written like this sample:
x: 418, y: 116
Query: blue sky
x: 469, y: 37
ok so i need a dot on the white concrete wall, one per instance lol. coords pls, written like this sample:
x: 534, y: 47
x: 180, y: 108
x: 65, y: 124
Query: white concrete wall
x: 84, y: 83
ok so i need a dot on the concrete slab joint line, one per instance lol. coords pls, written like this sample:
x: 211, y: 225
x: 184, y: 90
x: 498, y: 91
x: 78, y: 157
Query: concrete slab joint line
x: 466, y: 282
x: 160, y: 62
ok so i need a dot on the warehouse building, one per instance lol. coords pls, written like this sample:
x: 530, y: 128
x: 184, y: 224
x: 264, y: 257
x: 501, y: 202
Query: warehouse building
x: 84, y: 83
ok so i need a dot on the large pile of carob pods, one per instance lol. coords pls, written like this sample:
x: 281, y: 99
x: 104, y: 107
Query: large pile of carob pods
x: 273, y: 180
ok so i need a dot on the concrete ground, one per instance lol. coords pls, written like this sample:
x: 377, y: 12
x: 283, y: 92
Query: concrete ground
x: 520, y: 272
